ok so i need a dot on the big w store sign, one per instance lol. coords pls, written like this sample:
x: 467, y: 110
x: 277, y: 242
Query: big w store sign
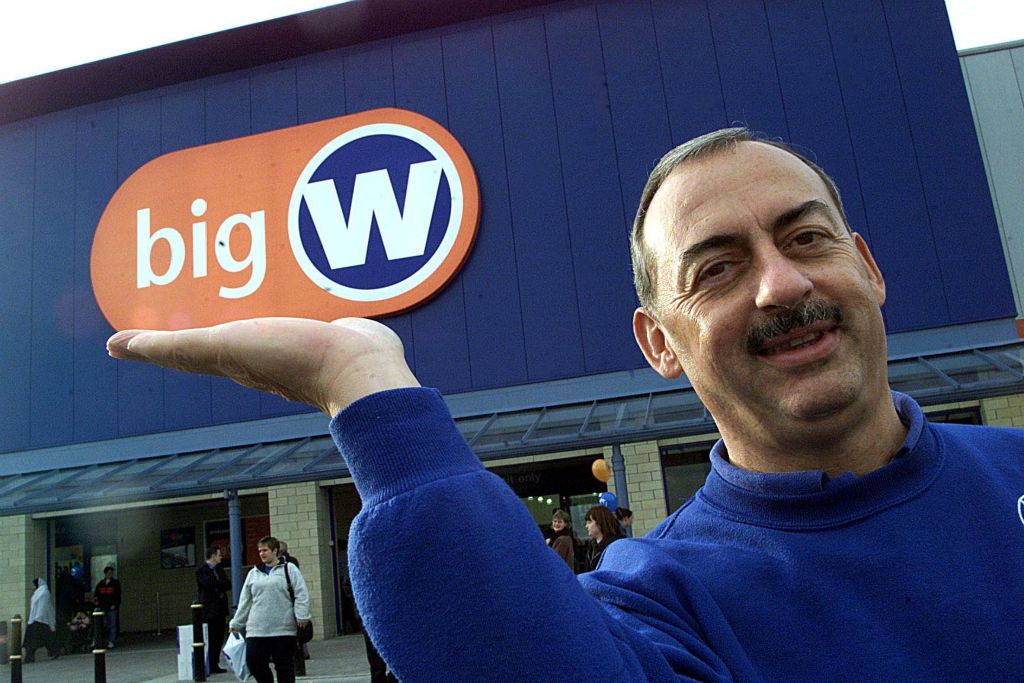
x: 363, y: 215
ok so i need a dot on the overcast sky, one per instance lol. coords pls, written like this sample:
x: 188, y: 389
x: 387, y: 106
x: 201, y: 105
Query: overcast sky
x: 37, y: 36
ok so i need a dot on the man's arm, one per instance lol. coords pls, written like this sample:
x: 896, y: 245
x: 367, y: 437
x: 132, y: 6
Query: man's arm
x: 206, y: 578
x: 223, y: 582
x: 436, y: 611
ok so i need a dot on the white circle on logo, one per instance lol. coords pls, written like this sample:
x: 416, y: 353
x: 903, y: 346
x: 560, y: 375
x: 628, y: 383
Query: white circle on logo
x: 432, y: 264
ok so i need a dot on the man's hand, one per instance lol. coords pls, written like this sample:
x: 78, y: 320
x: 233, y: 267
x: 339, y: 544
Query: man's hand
x: 302, y: 622
x: 327, y: 365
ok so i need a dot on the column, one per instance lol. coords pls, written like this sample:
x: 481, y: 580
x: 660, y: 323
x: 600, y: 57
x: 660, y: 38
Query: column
x: 300, y: 516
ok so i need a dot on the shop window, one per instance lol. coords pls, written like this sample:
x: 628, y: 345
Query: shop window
x: 685, y: 467
x: 545, y: 486
x: 963, y: 416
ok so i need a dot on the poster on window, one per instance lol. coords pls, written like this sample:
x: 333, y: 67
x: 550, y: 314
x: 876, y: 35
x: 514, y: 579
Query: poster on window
x: 178, y: 548
x: 253, y: 529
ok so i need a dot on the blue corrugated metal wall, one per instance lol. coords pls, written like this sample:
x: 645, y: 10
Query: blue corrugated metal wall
x: 562, y: 112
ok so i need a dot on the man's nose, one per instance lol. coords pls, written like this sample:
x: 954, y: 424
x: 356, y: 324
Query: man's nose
x: 782, y: 282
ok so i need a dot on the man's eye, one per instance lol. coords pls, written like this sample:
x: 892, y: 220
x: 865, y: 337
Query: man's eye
x: 714, y: 270
x: 805, y: 238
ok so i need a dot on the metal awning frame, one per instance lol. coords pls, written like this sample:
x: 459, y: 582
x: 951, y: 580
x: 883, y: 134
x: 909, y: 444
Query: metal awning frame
x: 1000, y: 371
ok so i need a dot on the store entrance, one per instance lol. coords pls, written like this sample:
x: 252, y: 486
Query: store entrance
x: 567, y: 484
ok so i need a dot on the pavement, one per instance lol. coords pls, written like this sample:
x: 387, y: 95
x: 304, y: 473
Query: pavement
x: 146, y: 658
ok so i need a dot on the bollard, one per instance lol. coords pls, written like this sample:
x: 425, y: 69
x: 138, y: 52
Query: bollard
x: 99, y: 646
x: 198, y: 647
x: 16, y: 649
x: 4, y: 654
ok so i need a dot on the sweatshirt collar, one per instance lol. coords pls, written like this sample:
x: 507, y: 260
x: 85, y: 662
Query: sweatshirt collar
x: 814, y: 499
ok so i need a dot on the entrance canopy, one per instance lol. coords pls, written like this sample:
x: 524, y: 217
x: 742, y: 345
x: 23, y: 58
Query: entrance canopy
x: 931, y: 379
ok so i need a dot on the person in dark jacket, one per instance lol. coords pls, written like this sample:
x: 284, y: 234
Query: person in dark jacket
x: 108, y: 599
x: 379, y: 672
x: 561, y: 540
x: 213, y: 587
x: 625, y: 517
x: 287, y: 556
x: 604, y: 529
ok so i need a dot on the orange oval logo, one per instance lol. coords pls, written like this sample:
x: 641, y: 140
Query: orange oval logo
x: 363, y: 215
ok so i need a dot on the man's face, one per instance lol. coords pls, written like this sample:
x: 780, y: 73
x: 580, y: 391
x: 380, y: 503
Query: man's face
x: 216, y: 557
x: 742, y: 239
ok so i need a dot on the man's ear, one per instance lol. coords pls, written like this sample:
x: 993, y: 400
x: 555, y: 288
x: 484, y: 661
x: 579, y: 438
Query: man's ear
x: 651, y: 339
x: 874, y: 274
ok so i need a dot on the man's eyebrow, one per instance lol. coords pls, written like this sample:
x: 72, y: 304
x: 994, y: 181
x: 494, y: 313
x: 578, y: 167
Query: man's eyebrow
x: 692, y: 254
x: 695, y: 251
x: 799, y: 211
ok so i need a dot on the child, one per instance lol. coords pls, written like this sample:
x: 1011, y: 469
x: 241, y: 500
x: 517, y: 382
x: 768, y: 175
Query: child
x: 79, y: 626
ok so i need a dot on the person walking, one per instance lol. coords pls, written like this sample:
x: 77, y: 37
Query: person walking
x: 604, y: 529
x: 213, y: 587
x: 108, y: 599
x: 268, y: 615
x: 302, y: 649
x: 287, y: 556
x: 625, y: 517
x: 379, y: 672
x: 561, y: 539
x: 42, y: 623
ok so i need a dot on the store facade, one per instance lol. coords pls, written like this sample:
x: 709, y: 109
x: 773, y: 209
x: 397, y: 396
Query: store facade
x: 524, y: 134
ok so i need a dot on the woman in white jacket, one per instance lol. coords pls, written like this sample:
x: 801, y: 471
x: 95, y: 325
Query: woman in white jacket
x: 266, y: 612
x: 41, y: 629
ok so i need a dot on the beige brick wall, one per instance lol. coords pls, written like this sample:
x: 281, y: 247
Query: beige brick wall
x: 645, y: 482
x: 1004, y: 411
x: 24, y: 543
x: 299, y: 515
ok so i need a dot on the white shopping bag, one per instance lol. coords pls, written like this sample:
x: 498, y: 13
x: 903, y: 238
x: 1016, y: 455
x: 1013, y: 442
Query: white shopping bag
x: 185, y: 651
x: 234, y: 652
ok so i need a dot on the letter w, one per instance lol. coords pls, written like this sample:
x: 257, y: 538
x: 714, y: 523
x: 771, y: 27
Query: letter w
x: 404, y: 233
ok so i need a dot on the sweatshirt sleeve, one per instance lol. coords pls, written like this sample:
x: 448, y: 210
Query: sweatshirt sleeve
x: 440, y: 613
x: 244, y: 605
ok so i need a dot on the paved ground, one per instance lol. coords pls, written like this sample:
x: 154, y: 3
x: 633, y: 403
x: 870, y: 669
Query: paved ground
x: 152, y: 659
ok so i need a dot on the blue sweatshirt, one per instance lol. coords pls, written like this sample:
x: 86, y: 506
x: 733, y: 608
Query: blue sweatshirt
x: 914, y: 572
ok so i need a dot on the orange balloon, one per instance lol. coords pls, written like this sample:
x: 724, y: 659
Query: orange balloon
x: 600, y: 470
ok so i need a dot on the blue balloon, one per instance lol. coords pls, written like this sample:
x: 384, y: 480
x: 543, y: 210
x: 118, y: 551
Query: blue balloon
x: 608, y: 500
x: 77, y: 570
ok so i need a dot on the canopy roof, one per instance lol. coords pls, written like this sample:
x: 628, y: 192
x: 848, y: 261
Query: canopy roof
x: 930, y: 379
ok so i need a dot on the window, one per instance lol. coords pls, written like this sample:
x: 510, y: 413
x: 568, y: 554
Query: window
x: 685, y: 468
x: 963, y: 416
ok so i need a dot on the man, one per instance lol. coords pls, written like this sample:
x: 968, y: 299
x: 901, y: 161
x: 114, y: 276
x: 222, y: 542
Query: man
x: 286, y: 556
x: 107, y: 597
x: 625, y: 517
x: 302, y: 649
x: 213, y: 587
x: 839, y: 535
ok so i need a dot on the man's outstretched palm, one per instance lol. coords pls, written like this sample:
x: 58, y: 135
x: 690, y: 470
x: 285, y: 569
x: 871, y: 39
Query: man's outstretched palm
x: 327, y: 365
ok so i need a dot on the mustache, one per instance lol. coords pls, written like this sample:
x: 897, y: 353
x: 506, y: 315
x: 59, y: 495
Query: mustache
x: 785, y: 321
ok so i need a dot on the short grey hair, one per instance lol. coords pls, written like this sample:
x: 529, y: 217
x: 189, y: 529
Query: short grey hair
x: 644, y: 261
